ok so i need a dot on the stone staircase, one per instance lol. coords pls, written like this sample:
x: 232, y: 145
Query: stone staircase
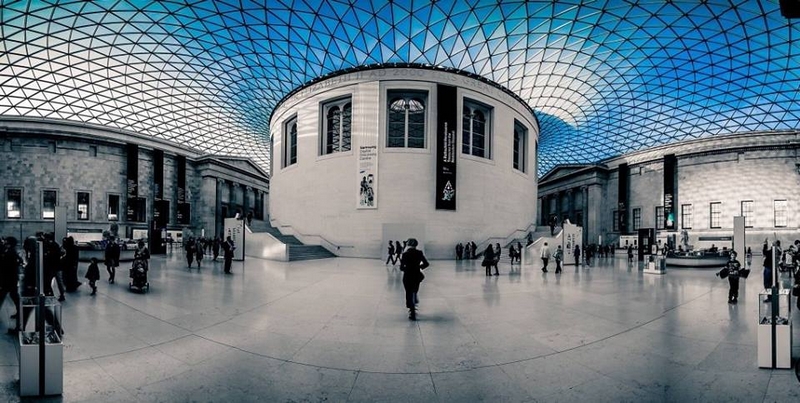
x: 296, y: 249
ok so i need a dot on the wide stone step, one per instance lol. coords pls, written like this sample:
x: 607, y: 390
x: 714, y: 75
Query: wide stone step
x: 308, y: 252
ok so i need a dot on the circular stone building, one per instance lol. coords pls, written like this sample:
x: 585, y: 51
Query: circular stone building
x: 365, y: 156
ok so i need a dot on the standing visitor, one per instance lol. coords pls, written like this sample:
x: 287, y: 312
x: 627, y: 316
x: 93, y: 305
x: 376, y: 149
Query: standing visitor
x: 468, y: 250
x: 488, y: 259
x: 497, y: 252
x: 228, y: 248
x: 9, y: 273
x: 411, y: 264
x: 577, y: 254
x: 198, y: 253
x: 559, y: 256
x: 545, y: 257
x: 112, y: 259
x: 216, y: 247
x: 189, y: 248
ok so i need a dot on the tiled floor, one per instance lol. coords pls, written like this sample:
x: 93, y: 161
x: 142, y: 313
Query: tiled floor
x: 336, y: 330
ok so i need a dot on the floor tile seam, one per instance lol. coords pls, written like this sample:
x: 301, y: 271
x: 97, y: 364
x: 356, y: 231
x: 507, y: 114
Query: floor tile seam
x: 314, y: 336
x: 601, y: 339
x: 108, y: 374
x: 148, y: 345
x: 353, y: 386
x: 513, y: 380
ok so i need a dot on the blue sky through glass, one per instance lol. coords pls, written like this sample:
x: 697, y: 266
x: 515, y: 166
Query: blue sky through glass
x: 603, y: 77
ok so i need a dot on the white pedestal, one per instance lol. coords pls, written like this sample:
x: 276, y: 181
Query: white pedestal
x: 656, y: 267
x: 783, y: 344
x: 29, y: 369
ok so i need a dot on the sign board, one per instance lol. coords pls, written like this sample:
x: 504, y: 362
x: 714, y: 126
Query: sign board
x: 235, y: 229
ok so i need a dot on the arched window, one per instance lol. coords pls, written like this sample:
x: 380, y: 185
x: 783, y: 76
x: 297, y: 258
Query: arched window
x: 405, y: 117
x: 290, y: 142
x: 476, y: 137
x: 337, y: 126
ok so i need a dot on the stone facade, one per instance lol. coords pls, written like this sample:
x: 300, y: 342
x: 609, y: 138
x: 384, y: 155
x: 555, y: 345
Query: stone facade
x: 40, y: 155
x: 756, y: 168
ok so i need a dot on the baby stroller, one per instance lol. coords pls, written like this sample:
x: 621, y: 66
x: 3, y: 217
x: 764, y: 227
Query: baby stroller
x: 139, y: 276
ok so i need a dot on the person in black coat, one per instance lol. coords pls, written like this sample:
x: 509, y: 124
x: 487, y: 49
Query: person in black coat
x: 112, y: 259
x: 488, y: 259
x: 189, y: 248
x: 411, y: 264
x: 215, y: 247
x: 228, y: 248
x: 71, y: 265
x: 93, y: 274
x: 9, y: 273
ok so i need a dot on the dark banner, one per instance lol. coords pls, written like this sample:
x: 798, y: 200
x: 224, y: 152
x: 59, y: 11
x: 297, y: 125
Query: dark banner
x: 161, y: 213
x: 446, y: 147
x: 622, y: 197
x: 132, y: 176
x: 158, y: 227
x: 184, y: 213
x: 670, y: 186
x: 180, y: 161
x: 158, y: 174
x: 184, y: 210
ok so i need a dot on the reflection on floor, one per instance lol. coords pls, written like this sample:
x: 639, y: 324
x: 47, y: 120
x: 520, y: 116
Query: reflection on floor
x: 336, y: 330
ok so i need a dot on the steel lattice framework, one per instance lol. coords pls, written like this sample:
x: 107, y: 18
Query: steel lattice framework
x: 604, y: 77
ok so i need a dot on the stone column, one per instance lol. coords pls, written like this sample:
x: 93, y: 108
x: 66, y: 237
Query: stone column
x: 559, y: 207
x: 585, y: 218
x: 247, y: 191
x: 218, y: 218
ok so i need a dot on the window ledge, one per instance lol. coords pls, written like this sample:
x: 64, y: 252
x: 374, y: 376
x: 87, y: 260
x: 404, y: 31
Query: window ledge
x: 341, y: 154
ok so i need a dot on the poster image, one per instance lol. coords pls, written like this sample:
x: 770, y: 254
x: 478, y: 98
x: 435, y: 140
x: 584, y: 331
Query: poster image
x: 367, y: 177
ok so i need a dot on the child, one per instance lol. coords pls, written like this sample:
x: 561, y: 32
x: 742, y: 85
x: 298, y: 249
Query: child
x: 93, y: 274
x: 732, y: 272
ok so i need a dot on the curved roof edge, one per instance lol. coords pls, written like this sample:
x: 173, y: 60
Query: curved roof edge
x: 380, y: 66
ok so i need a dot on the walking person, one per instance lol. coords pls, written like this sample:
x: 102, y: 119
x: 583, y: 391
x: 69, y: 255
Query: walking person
x: 112, y: 259
x: 558, y: 256
x: 398, y: 251
x: 577, y: 253
x: 93, y: 274
x: 545, y: 257
x: 215, y: 247
x: 189, y: 248
x: 71, y: 264
x: 411, y: 264
x: 630, y: 253
x: 228, y: 248
x: 468, y: 250
x: 198, y: 253
x: 488, y: 259
x: 519, y: 252
x: 390, y: 257
x: 733, y: 268
x: 496, y: 261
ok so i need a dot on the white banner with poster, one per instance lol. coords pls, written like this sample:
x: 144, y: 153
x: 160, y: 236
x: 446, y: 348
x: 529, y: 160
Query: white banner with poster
x: 573, y: 236
x: 234, y: 228
x: 368, y: 173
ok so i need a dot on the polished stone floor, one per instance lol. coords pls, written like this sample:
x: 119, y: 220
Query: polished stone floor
x: 336, y: 330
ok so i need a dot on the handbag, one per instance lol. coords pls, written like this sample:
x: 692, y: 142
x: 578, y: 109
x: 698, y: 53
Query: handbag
x: 744, y: 273
x: 796, y: 290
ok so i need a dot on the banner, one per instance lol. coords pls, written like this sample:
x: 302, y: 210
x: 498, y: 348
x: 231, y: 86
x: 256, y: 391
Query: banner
x: 622, y: 197
x: 446, y: 148
x: 670, y: 210
x: 368, y: 174
x: 132, y: 188
x: 158, y: 174
x: 234, y: 228
x: 183, y: 215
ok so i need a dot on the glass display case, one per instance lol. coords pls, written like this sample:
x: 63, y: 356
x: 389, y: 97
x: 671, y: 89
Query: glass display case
x: 30, y: 348
x: 783, y: 329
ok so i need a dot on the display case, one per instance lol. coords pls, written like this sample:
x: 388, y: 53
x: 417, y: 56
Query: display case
x: 783, y: 329
x: 30, y: 348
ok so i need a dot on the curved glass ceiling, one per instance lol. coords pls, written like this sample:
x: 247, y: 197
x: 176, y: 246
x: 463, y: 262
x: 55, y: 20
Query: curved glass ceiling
x: 604, y: 78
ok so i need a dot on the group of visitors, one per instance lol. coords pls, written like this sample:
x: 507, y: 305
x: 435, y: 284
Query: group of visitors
x: 466, y: 251
x: 395, y: 251
x: 196, y: 248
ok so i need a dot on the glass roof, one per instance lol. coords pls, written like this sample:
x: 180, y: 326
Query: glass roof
x: 604, y: 77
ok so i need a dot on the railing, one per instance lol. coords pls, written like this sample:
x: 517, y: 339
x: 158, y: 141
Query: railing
x: 304, y: 238
x: 505, y: 240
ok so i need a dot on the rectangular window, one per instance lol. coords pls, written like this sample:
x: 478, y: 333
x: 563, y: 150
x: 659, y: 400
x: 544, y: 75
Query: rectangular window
x: 290, y: 142
x: 660, y: 217
x: 715, y: 209
x: 686, y: 216
x: 405, y: 118
x: 781, y: 213
x: 83, y: 199
x: 14, y: 203
x: 49, y: 202
x: 748, y: 212
x: 476, y: 127
x: 520, y: 146
x: 615, y: 224
x: 337, y: 123
x: 637, y: 218
x: 113, y: 207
